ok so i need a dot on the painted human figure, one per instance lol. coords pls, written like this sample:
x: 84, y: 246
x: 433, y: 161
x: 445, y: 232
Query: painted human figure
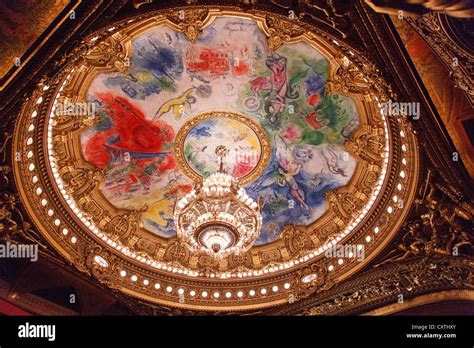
x: 278, y: 85
x: 288, y: 169
x: 295, y: 190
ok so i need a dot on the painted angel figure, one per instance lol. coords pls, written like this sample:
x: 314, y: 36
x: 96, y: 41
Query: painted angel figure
x: 289, y: 168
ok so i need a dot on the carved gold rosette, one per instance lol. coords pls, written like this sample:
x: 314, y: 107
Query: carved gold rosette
x: 62, y: 191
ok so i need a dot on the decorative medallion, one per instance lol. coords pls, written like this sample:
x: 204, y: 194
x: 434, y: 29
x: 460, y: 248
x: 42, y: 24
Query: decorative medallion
x: 247, y: 143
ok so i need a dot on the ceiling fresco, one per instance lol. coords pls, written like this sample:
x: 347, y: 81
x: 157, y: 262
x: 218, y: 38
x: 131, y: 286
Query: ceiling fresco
x: 203, y: 138
x: 311, y: 158
x: 171, y: 82
x: 236, y: 158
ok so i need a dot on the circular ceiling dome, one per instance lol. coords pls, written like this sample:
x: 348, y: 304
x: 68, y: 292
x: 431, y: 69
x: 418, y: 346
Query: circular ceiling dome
x: 128, y: 127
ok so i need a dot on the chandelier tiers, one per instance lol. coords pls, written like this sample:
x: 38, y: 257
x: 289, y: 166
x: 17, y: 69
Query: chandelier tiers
x: 218, y: 217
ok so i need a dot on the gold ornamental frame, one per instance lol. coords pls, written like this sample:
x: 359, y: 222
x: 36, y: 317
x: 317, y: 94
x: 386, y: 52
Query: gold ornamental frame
x: 269, y: 274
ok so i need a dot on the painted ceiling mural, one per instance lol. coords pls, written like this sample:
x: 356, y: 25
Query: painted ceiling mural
x: 172, y: 81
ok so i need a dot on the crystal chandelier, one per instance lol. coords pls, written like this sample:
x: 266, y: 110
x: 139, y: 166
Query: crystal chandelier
x: 218, y: 217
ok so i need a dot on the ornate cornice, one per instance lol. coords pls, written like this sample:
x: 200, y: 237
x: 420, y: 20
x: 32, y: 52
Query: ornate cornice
x: 386, y: 285
x: 459, y: 61
x: 433, y: 137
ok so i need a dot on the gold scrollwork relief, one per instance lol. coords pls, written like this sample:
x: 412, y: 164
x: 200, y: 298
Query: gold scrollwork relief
x: 240, y: 262
x: 345, y: 205
x: 177, y: 253
x: 65, y: 124
x: 208, y: 263
x: 297, y: 242
x: 269, y: 257
x: 348, y: 78
x: 189, y: 22
x: 100, y: 263
x: 281, y: 31
x: 311, y: 279
x: 367, y: 146
x: 110, y: 53
x: 122, y: 227
x: 81, y: 181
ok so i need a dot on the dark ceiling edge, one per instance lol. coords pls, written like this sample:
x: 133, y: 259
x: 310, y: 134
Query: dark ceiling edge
x: 432, y: 136
x: 57, y: 45
x: 30, y: 51
x: 457, y: 170
x: 67, y: 267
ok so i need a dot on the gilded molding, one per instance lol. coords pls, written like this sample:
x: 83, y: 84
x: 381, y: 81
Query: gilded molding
x: 459, y: 61
x: 189, y: 22
x: 280, y: 32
